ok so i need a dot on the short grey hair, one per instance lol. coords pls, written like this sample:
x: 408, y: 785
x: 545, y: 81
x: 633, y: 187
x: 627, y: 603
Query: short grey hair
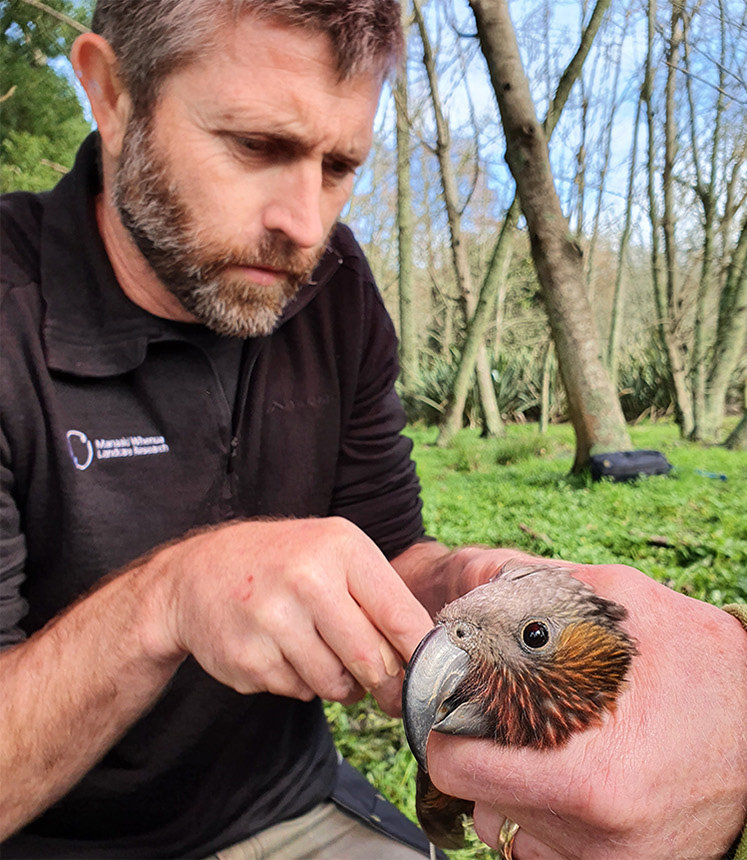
x: 153, y: 38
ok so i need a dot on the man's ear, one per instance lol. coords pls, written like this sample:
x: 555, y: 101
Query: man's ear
x: 97, y: 69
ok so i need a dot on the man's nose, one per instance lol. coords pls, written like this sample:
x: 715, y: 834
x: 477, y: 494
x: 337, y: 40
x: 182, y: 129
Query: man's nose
x: 295, y: 205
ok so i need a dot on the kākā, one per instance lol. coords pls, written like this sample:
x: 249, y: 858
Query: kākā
x: 525, y: 659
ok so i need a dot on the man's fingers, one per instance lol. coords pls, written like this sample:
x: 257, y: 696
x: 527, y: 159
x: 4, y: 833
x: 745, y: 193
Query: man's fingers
x: 318, y: 592
x: 370, y: 620
x: 392, y: 660
x: 318, y: 665
x: 391, y: 606
x: 488, y: 821
x: 276, y: 675
x: 472, y: 768
x: 364, y: 652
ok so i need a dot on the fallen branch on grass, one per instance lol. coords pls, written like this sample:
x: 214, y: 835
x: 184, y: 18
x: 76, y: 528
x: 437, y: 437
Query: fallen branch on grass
x: 536, y: 535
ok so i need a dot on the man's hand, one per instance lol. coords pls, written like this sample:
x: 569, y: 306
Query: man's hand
x: 293, y: 607
x: 664, y: 778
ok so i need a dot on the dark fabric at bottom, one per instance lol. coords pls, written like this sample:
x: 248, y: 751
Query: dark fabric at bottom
x: 355, y: 795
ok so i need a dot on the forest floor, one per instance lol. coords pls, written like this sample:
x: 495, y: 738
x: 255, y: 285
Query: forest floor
x: 687, y: 529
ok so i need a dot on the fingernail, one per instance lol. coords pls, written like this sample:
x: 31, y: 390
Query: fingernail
x: 392, y: 661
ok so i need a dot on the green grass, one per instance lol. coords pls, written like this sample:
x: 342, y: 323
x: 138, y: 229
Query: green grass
x: 686, y: 529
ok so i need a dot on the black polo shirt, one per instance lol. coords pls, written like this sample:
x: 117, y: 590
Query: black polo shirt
x: 120, y: 431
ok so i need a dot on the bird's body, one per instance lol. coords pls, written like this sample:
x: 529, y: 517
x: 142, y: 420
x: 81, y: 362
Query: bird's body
x: 527, y: 659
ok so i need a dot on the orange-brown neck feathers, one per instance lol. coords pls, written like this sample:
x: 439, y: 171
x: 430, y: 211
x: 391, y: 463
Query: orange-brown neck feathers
x: 542, y: 705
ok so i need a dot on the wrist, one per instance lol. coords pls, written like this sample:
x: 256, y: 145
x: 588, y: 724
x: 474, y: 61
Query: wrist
x: 437, y: 575
x: 418, y: 566
x: 154, y: 581
x: 467, y: 567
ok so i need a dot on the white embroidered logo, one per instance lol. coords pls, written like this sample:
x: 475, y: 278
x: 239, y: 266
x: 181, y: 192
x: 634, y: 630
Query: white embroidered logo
x: 81, y: 456
x: 83, y: 450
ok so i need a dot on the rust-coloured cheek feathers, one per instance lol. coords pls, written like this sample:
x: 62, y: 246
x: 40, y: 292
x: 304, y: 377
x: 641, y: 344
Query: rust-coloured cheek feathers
x: 526, y: 659
x: 542, y: 705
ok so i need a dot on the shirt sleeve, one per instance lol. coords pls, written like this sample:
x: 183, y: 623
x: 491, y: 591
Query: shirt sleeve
x: 377, y: 485
x: 13, y: 607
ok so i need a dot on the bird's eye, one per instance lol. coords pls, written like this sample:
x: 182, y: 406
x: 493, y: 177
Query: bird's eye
x: 535, y: 635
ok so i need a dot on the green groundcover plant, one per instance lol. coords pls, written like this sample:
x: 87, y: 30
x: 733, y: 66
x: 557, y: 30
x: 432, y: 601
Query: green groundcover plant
x: 687, y: 529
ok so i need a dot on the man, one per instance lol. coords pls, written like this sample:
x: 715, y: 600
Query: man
x: 198, y: 396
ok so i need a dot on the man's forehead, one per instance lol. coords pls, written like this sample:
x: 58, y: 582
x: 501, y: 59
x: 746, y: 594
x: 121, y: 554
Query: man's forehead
x: 236, y: 39
x: 252, y: 45
x: 268, y: 81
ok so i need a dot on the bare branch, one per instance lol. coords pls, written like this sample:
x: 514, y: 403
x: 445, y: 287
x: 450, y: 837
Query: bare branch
x: 685, y: 71
x: 58, y: 168
x: 60, y: 16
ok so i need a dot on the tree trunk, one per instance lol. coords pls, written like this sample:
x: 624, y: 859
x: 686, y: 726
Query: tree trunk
x: 719, y: 337
x: 580, y: 179
x: 408, y: 340
x: 604, y: 170
x: 705, y: 425
x: 494, y: 278
x: 493, y: 425
x: 668, y: 298
x: 619, y: 293
x: 547, y: 374
x: 494, y: 283
x: 737, y: 440
x: 731, y: 328
x: 593, y: 405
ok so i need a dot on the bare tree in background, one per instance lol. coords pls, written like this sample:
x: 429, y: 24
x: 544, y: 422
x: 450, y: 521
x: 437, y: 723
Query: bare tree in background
x: 618, y: 296
x: 408, y: 350
x: 720, y: 322
x: 494, y: 286
x: 700, y: 285
x: 454, y: 211
x: 593, y: 405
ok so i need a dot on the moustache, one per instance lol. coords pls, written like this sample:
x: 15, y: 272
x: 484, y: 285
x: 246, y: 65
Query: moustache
x: 276, y: 253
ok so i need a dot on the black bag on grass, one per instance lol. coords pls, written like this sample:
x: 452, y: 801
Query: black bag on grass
x: 628, y: 465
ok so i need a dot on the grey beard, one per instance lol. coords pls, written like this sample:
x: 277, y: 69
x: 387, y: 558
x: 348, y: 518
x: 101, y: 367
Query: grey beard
x: 157, y: 219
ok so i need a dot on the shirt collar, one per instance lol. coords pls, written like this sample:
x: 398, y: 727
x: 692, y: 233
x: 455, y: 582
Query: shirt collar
x: 91, y: 328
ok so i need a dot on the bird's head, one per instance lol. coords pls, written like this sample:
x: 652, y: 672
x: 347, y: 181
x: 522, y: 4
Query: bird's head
x: 526, y: 659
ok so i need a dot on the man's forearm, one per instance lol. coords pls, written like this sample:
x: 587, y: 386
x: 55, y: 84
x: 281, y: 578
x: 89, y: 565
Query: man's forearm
x: 298, y: 608
x: 418, y: 566
x: 72, y: 689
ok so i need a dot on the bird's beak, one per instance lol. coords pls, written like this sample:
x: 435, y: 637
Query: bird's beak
x: 433, y: 675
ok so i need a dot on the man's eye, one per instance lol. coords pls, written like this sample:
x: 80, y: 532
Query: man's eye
x: 262, y: 148
x: 251, y: 144
x: 337, y: 169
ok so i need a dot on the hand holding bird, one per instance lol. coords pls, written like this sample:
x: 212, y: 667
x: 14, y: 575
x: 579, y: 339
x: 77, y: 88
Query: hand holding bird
x: 526, y: 660
x: 665, y: 778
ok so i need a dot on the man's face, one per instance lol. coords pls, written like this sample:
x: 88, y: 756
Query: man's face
x: 231, y: 187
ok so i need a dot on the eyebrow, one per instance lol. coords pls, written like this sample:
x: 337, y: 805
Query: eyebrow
x: 295, y: 144
x: 287, y: 141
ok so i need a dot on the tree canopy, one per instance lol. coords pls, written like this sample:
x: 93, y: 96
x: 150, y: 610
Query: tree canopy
x: 41, y: 118
x: 648, y: 160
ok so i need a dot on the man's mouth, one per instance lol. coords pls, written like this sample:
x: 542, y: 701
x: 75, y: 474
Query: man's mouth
x: 264, y: 276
